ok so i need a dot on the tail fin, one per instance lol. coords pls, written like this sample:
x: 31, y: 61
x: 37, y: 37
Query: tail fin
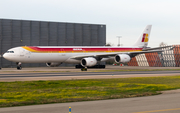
x: 144, y: 37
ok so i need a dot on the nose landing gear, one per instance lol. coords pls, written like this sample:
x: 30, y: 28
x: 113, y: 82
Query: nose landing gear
x: 19, y: 67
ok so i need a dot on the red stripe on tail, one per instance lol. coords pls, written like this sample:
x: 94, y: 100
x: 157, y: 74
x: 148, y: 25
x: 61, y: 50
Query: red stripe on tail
x: 144, y: 35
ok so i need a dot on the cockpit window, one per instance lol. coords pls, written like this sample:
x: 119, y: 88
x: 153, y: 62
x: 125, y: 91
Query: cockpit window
x: 10, y: 52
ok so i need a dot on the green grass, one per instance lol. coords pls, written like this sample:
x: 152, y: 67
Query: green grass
x: 41, y: 92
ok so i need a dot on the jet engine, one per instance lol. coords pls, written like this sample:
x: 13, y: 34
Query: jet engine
x: 122, y: 58
x: 53, y: 64
x: 88, y: 62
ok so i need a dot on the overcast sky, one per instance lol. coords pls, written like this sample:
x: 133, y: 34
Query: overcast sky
x: 126, y: 18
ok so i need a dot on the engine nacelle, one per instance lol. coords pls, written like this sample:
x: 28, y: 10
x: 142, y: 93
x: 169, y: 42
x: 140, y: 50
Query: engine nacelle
x: 53, y: 64
x: 88, y: 62
x: 122, y: 58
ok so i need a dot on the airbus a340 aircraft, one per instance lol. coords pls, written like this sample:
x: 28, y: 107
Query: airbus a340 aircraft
x: 86, y: 56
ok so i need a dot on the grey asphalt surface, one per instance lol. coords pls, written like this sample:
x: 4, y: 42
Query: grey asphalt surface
x: 72, y: 69
x: 69, y: 73
x: 25, y: 76
x: 164, y: 103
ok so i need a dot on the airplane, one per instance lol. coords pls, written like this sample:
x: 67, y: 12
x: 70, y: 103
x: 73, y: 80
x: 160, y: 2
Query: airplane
x: 85, y: 56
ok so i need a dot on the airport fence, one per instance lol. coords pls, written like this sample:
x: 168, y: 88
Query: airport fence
x: 169, y: 58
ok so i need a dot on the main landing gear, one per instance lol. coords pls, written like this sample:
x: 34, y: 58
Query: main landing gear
x: 19, y: 67
x: 96, y: 66
x: 85, y: 68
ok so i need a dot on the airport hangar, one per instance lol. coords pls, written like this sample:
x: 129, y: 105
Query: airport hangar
x: 15, y: 33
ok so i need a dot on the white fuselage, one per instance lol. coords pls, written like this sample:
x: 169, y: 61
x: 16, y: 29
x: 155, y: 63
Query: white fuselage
x: 19, y: 54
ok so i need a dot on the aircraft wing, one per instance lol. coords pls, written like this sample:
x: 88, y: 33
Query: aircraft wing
x: 147, y: 49
x: 107, y: 55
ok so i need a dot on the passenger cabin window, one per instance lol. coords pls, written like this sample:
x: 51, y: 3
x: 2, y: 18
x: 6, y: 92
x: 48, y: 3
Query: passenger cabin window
x: 10, y: 52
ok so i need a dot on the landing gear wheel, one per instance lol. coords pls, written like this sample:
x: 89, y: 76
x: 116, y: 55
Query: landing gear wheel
x: 19, y: 67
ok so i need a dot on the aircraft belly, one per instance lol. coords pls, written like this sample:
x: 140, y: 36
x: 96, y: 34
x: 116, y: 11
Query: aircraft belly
x: 70, y: 60
x: 43, y: 58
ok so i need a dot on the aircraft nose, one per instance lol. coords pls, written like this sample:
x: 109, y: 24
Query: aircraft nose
x: 5, y: 55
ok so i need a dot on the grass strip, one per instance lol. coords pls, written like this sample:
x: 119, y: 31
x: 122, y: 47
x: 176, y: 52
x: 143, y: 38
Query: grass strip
x: 43, y: 92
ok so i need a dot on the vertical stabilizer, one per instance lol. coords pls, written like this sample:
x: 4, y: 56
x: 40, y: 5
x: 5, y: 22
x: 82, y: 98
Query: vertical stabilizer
x: 144, y: 37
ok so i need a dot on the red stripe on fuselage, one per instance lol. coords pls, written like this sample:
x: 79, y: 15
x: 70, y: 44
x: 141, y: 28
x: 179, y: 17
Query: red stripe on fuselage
x: 79, y: 49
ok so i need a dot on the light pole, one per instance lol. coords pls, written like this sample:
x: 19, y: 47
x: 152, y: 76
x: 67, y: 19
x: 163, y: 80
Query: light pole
x: 119, y: 40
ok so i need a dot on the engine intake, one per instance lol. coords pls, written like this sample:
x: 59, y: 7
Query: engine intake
x: 53, y: 64
x: 122, y: 58
x: 88, y: 62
